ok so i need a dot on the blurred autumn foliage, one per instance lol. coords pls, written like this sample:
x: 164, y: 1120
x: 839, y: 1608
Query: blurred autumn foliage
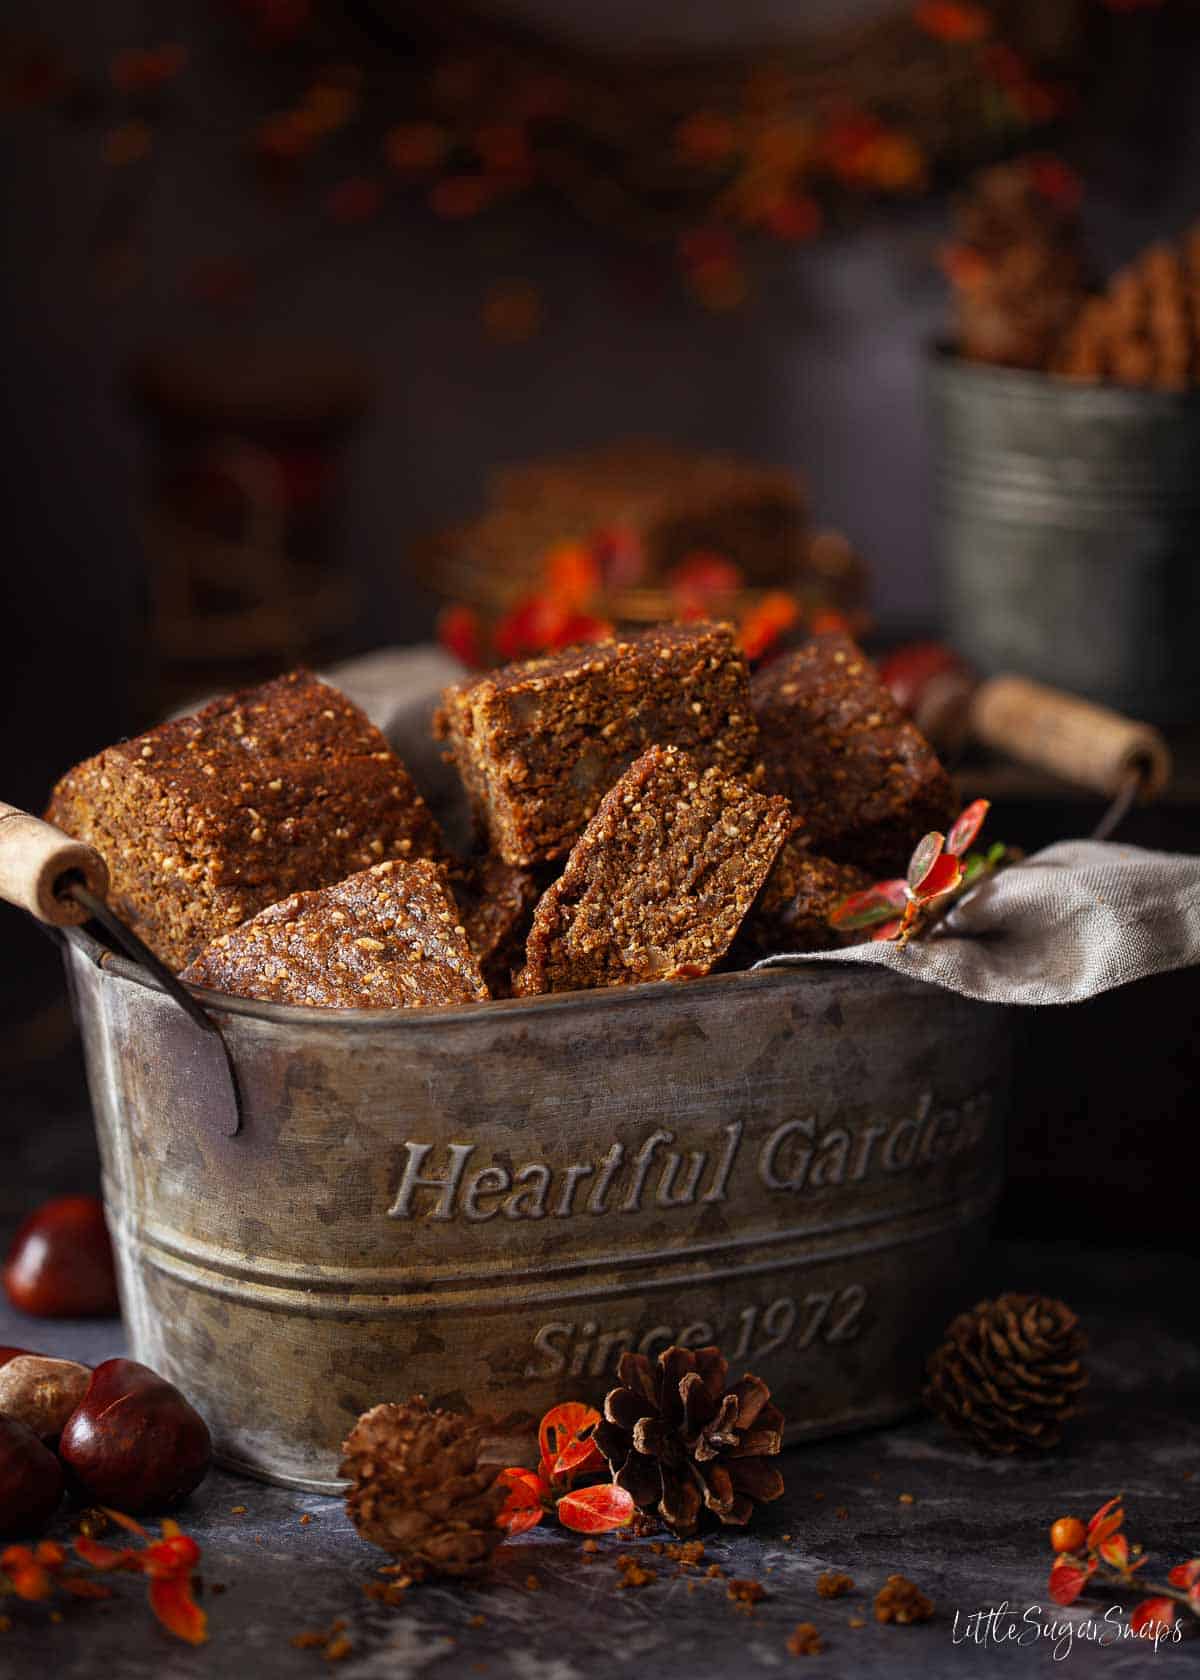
x: 710, y: 153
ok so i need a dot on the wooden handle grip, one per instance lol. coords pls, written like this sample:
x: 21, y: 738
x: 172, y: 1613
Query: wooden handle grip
x: 34, y: 857
x: 1070, y: 737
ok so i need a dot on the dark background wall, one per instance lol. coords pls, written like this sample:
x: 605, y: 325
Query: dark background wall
x: 822, y: 371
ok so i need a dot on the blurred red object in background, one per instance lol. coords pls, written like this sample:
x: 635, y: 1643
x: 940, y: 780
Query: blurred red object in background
x: 61, y: 1262
x: 907, y: 669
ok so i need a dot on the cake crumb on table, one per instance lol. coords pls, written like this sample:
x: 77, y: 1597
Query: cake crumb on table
x: 901, y: 1601
x: 633, y: 1572
x: 746, y: 1592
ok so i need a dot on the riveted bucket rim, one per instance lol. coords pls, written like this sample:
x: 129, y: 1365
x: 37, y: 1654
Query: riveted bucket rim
x: 112, y: 963
x: 1055, y: 389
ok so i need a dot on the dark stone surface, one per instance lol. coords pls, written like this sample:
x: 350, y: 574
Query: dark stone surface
x: 974, y: 1537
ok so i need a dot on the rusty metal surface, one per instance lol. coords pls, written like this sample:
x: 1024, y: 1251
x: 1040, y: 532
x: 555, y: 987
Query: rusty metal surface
x: 488, y: 1204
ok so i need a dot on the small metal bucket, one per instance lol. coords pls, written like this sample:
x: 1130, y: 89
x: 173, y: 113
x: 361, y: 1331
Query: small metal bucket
x: 488, y: 1204
x: 1068, y: 520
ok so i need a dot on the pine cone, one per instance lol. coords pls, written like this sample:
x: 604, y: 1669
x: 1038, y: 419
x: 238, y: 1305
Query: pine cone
x: 1019, y: 268
x: 419, y: 1491
x: 680, y: 1444
x: 1009, y: 1373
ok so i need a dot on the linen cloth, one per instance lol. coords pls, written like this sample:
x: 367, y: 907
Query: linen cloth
x: 1071, y: 921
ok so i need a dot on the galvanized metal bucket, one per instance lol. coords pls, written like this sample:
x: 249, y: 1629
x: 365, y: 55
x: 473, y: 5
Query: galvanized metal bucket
x: 1068, y: 520
x: 487, y: 1204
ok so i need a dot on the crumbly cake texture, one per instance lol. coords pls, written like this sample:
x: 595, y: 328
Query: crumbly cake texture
x: 864, y: 783
x: 538, y: 744
x: 658, y: 883
x: 386, y: 938
x: 496, y: 901
x: 802, y: 891
x: 207, y: 819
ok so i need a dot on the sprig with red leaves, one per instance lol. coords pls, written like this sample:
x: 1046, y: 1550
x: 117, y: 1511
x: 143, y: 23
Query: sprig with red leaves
x: 36, y: 1572
x: 168, y: 1563
x: 940, y: 870
x: 567, y: 1451
x: 1100, y: 1551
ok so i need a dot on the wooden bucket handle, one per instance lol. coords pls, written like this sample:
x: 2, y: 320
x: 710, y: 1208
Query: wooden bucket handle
x: 1072, y: 738
x: 38, y: 863
x: 64, y: 883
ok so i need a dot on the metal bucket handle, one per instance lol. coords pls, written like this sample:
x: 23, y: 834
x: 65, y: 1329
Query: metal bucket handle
x: 63, y: 883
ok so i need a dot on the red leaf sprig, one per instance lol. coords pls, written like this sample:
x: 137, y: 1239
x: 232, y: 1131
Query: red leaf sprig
x: 940, y: 870
x: 567, y: 1451
x: 168, y: 1563
x: 36, y: 1572
x: 1101, y: 1551
x: 32, y: 1572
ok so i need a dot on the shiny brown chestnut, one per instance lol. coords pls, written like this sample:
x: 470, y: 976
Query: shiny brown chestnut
x: 31, y: 1481
x: 60, y: 1264
x: 134, y: 1441
x: 42, y: 1392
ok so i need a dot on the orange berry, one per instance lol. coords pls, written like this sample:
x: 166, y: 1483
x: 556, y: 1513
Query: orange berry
x: 1068, y: 1534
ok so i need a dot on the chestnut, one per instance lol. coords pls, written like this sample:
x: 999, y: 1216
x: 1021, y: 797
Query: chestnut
x: 60, y: 1264
x: 41, y: 1392
x: 31, y: 1481
x: 133, y: 1441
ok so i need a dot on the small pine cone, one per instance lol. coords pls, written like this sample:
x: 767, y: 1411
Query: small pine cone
x: 804, y: 1640
x: 1009, y: 1373
x: 681, y: 1443
x: 1020, y: 270
x: 902, y: 1602
x: 419, y: 1490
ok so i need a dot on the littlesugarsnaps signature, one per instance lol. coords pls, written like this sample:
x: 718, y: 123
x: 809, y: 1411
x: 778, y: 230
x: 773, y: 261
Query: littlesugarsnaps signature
x: 1003, y: 1625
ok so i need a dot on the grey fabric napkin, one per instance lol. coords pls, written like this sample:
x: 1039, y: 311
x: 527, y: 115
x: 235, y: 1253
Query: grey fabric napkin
x: 1068, y: 923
